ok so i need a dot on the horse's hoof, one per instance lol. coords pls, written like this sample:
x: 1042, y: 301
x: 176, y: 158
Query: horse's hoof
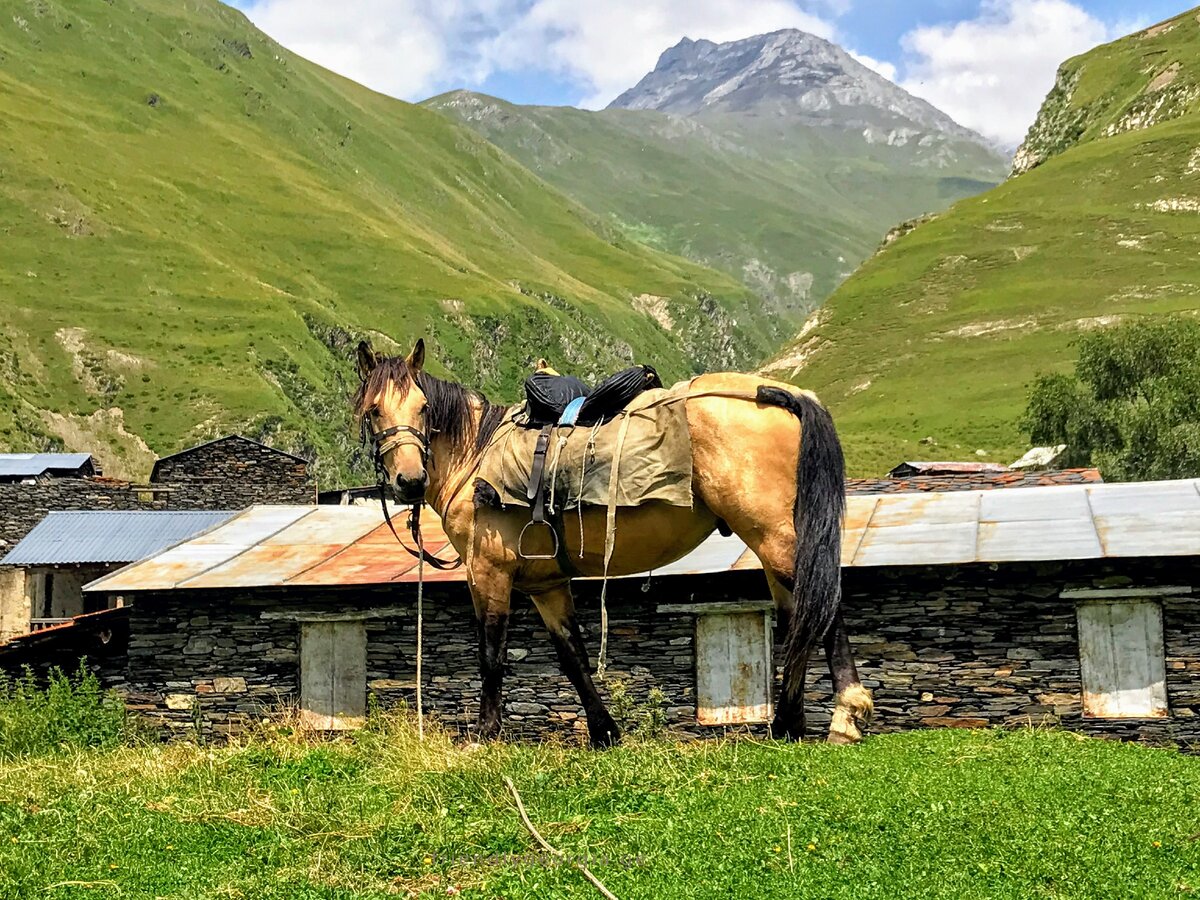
x: 472, y: 747
x: 602, y: 740
x: 844, y: 737
x: 782, y: 732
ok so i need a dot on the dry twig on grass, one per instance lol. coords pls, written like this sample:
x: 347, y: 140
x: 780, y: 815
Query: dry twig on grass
x: 596, y: 882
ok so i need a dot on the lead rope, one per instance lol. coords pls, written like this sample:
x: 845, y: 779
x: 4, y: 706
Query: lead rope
x: 610, y: 540
x: 416, y: 511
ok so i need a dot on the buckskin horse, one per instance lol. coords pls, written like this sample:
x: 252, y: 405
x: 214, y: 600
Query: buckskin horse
x: 766, y: 462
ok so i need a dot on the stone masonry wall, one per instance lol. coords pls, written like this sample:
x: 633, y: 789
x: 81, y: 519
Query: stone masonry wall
x: 234, y: 473
x: 947, y: 646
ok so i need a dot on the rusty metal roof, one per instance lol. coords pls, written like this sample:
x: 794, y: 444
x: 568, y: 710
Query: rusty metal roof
x: 347, y: 545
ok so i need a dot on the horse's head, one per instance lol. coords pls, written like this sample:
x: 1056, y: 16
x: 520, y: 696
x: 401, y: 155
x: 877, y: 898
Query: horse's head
x: 391, y: 409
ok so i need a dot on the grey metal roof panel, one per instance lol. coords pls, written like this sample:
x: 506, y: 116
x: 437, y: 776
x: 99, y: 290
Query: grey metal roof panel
x: 73, y: 538
x: 30, y: 465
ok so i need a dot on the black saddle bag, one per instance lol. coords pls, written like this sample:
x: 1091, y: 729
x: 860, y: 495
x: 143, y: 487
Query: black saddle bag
x: 616, y: 392
x: 548, y: 395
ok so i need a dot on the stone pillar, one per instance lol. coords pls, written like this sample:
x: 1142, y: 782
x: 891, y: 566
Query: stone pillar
x: 14, y: 603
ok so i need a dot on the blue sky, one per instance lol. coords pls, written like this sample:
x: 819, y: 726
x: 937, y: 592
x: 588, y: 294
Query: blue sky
x: 988, y: 63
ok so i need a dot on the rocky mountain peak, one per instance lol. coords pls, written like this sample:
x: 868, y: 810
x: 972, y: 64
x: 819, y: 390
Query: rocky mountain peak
x: 785, y: 73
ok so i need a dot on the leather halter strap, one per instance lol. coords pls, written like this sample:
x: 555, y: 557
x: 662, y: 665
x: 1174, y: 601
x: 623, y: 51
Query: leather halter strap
x: 385, y: 441
x: 399, y: 436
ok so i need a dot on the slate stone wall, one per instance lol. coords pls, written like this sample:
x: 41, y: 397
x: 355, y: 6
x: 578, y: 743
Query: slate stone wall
x: 967, y: 646
x: 234, y: 473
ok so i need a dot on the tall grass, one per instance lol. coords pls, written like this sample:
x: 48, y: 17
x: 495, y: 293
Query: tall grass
x: 66, y: 711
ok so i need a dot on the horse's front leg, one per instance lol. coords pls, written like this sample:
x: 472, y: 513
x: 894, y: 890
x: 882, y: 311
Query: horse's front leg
x: 492, y: 596
x: 557, y: 608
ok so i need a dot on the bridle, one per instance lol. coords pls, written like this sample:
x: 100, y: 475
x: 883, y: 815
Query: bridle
x: 385, y: 442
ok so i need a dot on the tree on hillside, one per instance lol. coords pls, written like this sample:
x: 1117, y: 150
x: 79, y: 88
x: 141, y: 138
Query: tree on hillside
x: 1132, y: 406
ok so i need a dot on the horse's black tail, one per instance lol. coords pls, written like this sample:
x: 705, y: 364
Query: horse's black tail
x: 820, y: 504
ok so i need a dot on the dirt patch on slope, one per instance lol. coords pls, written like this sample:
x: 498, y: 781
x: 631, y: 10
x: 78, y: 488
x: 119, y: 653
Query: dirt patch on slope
x: 656, y: 308
x: 979, y: 329
x: 1163, y: 78
x: 121, y: 453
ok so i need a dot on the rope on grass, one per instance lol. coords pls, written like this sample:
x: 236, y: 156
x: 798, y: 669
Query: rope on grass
x: 587, y: 873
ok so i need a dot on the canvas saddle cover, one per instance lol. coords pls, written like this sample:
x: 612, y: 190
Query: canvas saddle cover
x: 648, y: 441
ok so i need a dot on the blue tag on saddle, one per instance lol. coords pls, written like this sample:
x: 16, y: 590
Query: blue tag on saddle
x: 571, y: 413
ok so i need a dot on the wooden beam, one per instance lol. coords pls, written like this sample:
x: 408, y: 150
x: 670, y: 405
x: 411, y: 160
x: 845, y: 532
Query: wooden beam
x: 1125, y: 593
x: 721, y: 607
x: 288, y: 615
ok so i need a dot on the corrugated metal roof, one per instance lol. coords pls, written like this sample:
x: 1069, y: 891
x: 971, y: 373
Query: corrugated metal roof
x: 346, y: 545
x: 72, y: 538
x: 30, y: 465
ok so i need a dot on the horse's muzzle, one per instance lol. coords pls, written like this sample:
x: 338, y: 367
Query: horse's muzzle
x: 410, y: 490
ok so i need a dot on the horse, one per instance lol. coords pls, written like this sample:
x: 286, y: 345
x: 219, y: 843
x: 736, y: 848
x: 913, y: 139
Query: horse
x: 767, y: 465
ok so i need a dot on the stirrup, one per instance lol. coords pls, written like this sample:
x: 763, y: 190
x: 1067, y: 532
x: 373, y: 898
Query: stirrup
x: 553, y: 554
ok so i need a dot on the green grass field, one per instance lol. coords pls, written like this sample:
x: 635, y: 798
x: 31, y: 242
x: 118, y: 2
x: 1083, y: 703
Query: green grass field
x: 197, y: 224
x: 941, y: 333
x: 938, y: 814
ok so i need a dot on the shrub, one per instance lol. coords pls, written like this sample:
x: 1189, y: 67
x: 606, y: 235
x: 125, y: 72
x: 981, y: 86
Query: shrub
x: 1130, y: 407
x: 68, y: 711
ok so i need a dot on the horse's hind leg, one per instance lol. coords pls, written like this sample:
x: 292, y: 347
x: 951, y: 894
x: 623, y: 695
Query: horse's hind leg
x: 557, y: 608
x: 789, y: 711
x: 852, y: 702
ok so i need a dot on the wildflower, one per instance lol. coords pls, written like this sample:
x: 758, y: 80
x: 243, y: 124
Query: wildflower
x: 812, y: 848
x: 1156, y: 844
x: 428, y: 860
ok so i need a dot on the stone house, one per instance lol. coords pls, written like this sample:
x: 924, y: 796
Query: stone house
x: 33, y: 485
x: 233, y: 472
x: 68, y: 549
x: 1066, y: 604
x: 230, y: 473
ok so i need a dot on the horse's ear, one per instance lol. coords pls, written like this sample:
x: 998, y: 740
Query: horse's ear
x: 416, y: 359
x: 367, y: 360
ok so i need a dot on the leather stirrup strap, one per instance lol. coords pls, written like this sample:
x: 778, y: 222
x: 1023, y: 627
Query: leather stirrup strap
x: 536, y: 490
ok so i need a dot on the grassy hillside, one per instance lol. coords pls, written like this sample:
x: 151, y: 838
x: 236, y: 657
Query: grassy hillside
x: 1130, y: 84
x: 940, y: 333
x: 197, y: 224
x: 789, y: 209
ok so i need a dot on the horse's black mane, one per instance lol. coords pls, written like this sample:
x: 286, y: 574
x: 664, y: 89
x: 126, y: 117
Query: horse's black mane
x: 448, y: 409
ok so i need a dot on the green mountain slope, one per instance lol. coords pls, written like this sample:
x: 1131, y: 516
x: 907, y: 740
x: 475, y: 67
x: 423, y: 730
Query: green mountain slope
x: 196, y: 224
x: 786, y: 207
x: 940, y: 333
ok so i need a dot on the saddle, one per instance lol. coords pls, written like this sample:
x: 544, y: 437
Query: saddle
x: 563, y: 401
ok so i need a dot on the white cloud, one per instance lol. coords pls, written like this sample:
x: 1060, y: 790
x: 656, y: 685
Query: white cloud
x: 884, y: 68
x: 992, y: 72
x: 395, y: 47
x: 413, y: 48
